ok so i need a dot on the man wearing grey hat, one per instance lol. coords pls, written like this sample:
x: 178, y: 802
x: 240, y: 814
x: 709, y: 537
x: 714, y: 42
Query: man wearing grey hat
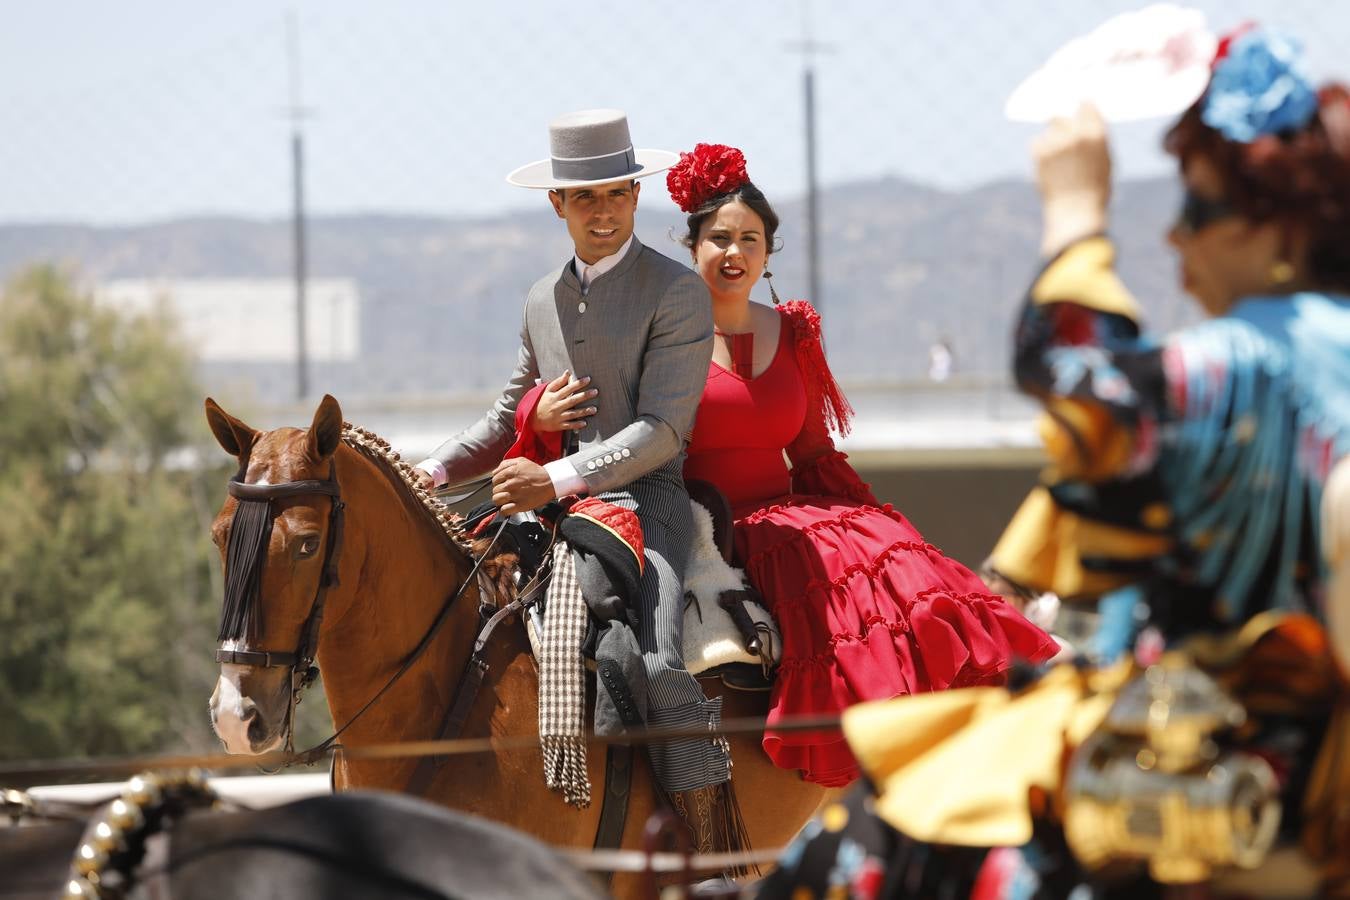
x: 640, y: 325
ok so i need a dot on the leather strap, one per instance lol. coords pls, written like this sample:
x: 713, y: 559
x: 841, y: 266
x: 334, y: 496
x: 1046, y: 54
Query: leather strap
x: 614, y: 808
x: 265, y: 492
x: 466, y: 693
x: 734, y: 604
x: 618, y: 761
x: 451, y: 725
x: 255, y: 658
x: 458, y: 493
x: 309, y: 756
x: 475, y: 673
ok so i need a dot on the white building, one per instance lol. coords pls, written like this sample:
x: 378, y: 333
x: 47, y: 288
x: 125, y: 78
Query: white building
x: 250, y: 319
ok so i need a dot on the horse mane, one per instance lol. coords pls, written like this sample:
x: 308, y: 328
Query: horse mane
x: 499, y: 567
x: 386, y: 458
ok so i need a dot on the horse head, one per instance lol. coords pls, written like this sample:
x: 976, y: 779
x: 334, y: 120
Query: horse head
x: 279, y: 535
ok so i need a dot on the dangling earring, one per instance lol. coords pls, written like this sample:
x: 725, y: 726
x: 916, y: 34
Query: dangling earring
x: 1281, y: 273
x: 768, y: 276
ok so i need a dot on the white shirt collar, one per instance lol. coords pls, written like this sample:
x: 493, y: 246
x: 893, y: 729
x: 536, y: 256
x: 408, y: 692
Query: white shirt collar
x: 588, y: 272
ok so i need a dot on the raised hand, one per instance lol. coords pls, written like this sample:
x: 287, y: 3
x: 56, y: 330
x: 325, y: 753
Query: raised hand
x: 1073, y: 173
x: 561, y: 408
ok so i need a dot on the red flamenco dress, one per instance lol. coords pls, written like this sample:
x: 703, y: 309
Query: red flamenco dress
x: 868, y: 610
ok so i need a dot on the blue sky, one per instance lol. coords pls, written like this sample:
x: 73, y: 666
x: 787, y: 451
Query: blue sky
x: 148, y: 109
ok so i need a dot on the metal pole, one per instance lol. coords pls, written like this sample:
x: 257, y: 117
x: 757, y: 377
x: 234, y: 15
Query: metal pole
x: 812, y: 197
x: 808, y: 46
x: 298, y: 208
x: 298, y: 229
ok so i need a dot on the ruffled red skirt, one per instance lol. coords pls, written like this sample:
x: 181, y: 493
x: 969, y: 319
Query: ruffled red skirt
x: 868, y: 610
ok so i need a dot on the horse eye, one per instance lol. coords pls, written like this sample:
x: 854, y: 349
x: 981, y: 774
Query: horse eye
x: 309, y: 546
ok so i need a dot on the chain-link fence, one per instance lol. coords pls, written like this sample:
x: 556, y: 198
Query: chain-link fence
x: 148, y: 147
x: 411, y: 115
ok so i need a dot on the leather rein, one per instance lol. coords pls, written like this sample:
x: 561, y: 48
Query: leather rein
x: 301, y: 660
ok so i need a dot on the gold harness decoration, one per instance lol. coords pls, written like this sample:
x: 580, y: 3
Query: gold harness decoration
x: 1125, y: 758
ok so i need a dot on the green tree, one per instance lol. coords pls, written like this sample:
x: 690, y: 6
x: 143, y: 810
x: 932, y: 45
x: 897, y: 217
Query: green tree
x: 107, y: 575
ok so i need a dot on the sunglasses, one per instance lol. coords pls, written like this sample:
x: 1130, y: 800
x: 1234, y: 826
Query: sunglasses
x: 1199, y: 212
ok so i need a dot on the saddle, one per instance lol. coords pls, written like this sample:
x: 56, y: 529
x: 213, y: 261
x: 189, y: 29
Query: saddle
x: 743, y: 646
x: 728, y: 633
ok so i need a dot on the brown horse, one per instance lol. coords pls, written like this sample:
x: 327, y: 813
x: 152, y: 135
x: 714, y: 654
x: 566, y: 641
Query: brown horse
x: 398, y: 564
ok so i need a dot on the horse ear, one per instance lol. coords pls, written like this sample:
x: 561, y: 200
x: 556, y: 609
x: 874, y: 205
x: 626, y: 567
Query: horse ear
x: 234, y: 436
x: 325, y: 433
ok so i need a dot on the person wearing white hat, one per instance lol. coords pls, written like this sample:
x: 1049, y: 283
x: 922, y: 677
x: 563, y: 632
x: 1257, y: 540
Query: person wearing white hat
x: 640, y: 326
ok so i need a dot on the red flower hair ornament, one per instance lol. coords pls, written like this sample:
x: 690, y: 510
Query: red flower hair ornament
x: 710, y: 170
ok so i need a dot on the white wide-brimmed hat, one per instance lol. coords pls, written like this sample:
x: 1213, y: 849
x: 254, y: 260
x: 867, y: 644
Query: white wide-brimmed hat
x: 1149, y: 63
x: 590, y: 147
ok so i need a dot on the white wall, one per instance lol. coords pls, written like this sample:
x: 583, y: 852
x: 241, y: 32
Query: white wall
x: 250, y: 319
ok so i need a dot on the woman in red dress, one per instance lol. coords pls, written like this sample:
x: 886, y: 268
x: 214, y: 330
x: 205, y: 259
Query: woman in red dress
x: 867, y: 608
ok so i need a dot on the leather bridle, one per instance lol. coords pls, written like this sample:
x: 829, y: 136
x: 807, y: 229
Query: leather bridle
x: 301, y: 660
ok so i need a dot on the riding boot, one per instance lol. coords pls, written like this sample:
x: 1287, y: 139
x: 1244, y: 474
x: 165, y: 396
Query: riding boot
x: 696, y: 808
x: 713, y: 818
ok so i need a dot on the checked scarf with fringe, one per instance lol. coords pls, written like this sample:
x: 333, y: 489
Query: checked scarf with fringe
x: 562, y: 682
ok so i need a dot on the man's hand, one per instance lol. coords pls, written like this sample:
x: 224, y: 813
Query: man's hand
x: 423, y: 480
x: 561, y: 408
x: 519, y: 485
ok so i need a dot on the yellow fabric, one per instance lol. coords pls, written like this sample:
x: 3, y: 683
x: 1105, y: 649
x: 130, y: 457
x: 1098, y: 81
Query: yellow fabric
x: 1083, y: 441
x: 1043, y: 548
x: 1085, y: 274
x: 957, y: 767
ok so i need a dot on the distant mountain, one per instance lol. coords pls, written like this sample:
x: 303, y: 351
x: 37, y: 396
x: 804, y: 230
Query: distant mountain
x: 903, y: 265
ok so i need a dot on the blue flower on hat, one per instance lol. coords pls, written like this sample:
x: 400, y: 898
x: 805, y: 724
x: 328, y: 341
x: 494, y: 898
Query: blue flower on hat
x: 1260, y: 86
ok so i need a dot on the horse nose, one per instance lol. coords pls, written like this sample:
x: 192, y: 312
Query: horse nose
x: 249, y: 718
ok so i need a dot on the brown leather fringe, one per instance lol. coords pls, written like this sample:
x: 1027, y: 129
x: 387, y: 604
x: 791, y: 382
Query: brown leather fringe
x: 730, y: 833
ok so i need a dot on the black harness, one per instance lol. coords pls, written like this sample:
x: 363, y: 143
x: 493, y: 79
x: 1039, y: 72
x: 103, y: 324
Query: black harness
x: 250, y: 530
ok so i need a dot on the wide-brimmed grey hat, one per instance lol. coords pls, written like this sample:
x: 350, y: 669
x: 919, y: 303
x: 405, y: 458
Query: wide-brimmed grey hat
x: 590, y: 147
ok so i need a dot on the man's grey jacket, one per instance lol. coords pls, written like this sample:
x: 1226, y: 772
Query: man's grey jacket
x: 643, y: 333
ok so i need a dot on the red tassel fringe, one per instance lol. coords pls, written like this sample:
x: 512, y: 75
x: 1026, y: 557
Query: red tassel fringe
x: 822, y: 390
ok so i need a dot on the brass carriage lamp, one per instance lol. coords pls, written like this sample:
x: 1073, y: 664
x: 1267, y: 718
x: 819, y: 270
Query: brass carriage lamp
x: 1152, y: 783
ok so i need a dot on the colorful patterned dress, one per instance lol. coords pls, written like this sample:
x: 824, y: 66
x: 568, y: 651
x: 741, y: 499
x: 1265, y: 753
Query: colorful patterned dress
x: 1193, y: 466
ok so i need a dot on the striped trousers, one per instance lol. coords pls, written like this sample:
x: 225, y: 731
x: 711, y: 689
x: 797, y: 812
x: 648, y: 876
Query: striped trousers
x: 674, y: 697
